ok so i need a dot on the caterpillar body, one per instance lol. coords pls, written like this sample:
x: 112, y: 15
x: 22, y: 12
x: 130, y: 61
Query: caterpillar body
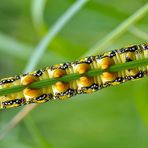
x: 85, y: 84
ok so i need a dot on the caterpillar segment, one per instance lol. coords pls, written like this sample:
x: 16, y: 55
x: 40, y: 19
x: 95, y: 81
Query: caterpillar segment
x: 84, y: 84
x: 61, y: 90
x: 36, y: 95
x: 130, y: 54
x: 14, y: 99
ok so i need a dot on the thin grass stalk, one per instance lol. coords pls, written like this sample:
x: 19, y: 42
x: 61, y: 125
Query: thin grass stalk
x: 118, y: 31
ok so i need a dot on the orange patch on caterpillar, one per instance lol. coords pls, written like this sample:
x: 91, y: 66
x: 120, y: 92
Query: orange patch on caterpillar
x: 107, y: 76
x: 58, y: 73
x: 86, y: 81
x: 61, y: 86
x: 28, y: 79
x: 32, y: 93
x: 106, y: 62
x: 82, y: 68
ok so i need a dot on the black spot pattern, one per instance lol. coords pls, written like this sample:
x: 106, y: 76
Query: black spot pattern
x: 131, y: 49
x: 38, y: 73
x: 12, y: 102
x: 42, y: 97
x: 112, y: 54
x: 65, y: 66
x: 93, y: 87
x: 7, y: 81
x: 68, y: 93
x: 119, y: 79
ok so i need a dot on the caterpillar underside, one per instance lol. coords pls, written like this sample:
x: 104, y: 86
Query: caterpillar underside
x: 85, y: 84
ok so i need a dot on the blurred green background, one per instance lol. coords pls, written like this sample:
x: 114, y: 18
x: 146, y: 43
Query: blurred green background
x: 116, y: 117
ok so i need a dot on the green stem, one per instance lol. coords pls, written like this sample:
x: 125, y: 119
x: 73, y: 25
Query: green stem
x: 75, y: 76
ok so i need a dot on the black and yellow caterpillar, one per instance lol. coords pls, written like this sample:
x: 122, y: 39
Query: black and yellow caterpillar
x: 85, y: 84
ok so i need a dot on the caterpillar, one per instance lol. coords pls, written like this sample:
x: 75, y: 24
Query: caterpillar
x: 85, y: 84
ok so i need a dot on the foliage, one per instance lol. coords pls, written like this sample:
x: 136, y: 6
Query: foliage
x: 112, y: 117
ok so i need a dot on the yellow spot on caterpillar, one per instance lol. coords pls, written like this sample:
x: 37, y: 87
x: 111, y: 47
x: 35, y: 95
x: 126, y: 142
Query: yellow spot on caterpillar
x: 107, y: 76
x: 61, y: 86
x: 32, y: 93
x: 58, y: 73
x: 106, y: 62
x: 86, y: 81
x: 82, y: 68
x: 28, y: 79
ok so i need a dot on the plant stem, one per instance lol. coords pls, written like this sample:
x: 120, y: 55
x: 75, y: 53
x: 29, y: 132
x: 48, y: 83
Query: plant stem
x: 75, y: 76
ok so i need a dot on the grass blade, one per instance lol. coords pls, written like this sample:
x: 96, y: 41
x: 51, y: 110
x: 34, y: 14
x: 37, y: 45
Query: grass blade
x: 36, y: 57
x: 53, y: 31
x: 15, y: 48
x: 37, y: 9
x: 107, y: 40
x: 138, y: 33
x: 16, y: 119
x: 35, y: 132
